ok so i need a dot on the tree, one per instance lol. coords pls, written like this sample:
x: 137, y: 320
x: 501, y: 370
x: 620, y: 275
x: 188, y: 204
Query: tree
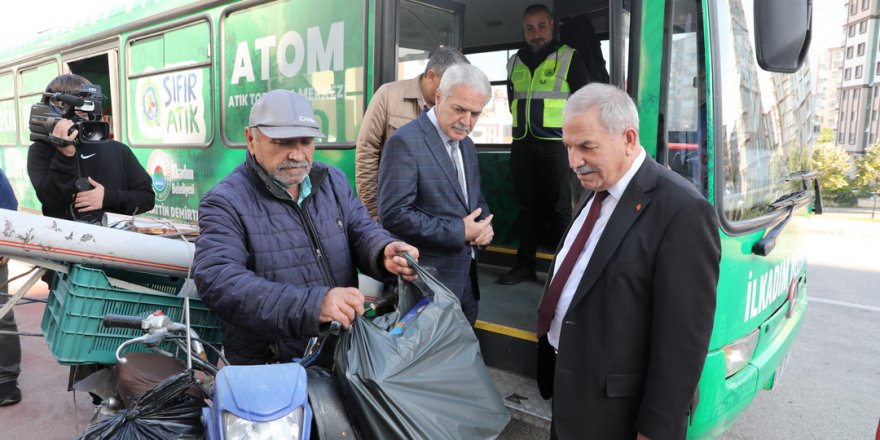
x: 832, y: 162
x: 826, y: 136
x: 868, y: 170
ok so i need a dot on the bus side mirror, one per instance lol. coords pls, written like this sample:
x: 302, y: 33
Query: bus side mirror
x: 782, y: 33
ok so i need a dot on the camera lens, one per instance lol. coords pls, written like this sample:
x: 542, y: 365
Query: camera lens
x: 90, y: 131
x: 87, y: 131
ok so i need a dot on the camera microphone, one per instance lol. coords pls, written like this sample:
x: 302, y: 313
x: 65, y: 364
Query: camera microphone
x: 74, y: 101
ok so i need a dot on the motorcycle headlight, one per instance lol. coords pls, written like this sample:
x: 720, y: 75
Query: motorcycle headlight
x: 288, y: 427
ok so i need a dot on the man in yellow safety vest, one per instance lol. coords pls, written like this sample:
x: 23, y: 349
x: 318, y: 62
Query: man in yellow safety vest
x: 540, y: 78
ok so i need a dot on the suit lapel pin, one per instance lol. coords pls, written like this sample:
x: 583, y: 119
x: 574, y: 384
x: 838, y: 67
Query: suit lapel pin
x: 638, y: 207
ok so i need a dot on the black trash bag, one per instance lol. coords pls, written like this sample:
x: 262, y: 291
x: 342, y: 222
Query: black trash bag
x: 164, y: 412
x: 427, y: 382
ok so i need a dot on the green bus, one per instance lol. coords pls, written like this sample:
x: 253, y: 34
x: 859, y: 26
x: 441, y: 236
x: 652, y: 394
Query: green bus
x: 722, y: 97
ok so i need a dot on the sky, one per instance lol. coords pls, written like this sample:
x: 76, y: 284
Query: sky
x: 31, y: 16
x: 829, y: 16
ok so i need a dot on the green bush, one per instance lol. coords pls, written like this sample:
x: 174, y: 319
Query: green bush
x: 843, y: 199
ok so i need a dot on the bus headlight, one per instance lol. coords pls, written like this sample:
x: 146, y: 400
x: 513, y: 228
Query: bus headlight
x: 738, y: 353
x: 287, y: 427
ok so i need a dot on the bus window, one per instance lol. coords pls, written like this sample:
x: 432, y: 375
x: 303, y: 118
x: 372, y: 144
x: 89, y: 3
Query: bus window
x: 765, y: 124
x: 170, y: 86
x: 494, y: 125
x: 32, y: 83
x: 685, y: 98
x: 7, y: 109
x: 423, y: 27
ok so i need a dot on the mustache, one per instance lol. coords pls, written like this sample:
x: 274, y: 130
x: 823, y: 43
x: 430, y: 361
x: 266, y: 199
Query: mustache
x: 292, y: 164
x: 585, y: 169
x: 461, y: 127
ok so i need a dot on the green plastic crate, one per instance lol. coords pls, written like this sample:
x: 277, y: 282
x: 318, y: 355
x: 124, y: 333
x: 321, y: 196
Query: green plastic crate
x: 79, y: 300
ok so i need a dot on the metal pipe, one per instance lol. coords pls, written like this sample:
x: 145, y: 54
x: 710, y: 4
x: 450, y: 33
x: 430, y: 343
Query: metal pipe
x: 30, y: 235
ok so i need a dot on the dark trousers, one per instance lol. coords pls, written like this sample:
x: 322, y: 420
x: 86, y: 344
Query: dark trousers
x: 541, y: 180
x: 10, y: 345
x: 470, y: 298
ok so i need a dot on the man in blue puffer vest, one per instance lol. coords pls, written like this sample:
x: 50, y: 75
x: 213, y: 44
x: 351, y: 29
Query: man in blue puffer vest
x: 282, y: 237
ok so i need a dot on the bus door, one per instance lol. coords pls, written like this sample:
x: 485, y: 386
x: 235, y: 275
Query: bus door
x: 683, y: 138
x: 598, y: 29
x: 100, y: 65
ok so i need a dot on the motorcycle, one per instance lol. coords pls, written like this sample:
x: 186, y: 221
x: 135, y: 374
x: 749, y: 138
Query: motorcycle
x: 413, y: 345
x: 155, y: 395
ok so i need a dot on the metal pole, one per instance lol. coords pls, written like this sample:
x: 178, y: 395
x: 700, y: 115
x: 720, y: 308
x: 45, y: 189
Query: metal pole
x: 874, y: 209
x: 12, y: 300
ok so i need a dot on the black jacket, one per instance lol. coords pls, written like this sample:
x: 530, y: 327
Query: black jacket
x: 635, y: 336
x: 127, y: 186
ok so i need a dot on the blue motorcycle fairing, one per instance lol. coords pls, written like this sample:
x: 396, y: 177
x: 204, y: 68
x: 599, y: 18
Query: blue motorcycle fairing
x: 259, y: 393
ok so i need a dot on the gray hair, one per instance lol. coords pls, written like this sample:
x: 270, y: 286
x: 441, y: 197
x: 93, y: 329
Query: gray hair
x: 443, y: 58
x: 617, y: 111
x: 465, y: 75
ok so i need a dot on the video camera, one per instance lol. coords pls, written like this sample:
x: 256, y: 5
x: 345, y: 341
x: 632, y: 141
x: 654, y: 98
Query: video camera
x: 55, y: 106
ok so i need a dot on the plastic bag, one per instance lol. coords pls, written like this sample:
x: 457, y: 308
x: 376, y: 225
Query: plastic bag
x: 429, y: 381
x: 164, y: 412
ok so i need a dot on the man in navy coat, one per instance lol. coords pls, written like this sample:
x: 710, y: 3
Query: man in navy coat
x: 429, y: 184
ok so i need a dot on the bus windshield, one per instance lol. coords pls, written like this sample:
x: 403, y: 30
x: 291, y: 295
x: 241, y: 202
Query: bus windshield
x: 765, y: 121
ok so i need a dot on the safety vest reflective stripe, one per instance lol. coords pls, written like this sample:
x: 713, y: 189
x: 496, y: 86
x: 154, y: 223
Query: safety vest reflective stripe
x: 537, y: 101
x: 564, y: 64
x: 550, y: 95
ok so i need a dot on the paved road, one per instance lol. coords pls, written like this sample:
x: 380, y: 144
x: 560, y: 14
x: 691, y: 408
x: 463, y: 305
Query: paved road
x: 831, y: 387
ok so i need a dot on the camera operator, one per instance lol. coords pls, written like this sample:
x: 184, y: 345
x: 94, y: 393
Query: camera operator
x: 80, y: 180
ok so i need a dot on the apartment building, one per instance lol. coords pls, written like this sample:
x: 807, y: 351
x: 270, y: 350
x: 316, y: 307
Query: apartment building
x: 858, y: 124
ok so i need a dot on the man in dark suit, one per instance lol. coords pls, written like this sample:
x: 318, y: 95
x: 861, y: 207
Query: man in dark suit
x: 627, y: 312
x: 429, y: 184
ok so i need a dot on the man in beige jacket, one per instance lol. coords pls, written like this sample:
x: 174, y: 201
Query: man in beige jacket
x: 392, y: 106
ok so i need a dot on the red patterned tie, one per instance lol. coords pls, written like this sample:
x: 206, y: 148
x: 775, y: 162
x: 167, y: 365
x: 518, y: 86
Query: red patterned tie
x: 551, y: 297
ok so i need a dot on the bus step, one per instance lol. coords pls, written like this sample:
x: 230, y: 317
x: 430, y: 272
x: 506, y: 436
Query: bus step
x: 522, y: 398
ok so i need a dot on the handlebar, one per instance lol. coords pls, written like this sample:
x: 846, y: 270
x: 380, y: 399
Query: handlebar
x: 156, y: 326
x: 123, y: 321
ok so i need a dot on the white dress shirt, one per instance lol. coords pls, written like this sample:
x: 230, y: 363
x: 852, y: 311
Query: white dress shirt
x: 577, y: 272
x: 458, y: 162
